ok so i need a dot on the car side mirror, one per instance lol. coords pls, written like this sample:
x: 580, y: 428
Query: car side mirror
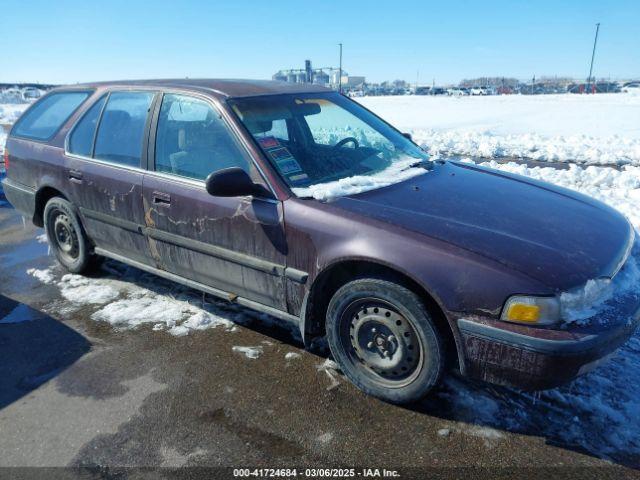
x: 407, y: 135
x: 233, y: 182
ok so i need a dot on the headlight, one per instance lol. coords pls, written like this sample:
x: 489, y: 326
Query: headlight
x: 532, y: 310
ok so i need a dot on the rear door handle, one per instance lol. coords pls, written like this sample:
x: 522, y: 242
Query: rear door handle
x: 75, y: 176
x: 161, y: 199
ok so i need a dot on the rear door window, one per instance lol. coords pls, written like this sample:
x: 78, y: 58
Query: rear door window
x: 121, y: 129
x: 81, y: 138
x: 46, y: 117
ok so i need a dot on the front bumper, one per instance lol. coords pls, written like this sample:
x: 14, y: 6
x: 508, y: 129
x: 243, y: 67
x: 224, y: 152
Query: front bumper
x: 539, y: 358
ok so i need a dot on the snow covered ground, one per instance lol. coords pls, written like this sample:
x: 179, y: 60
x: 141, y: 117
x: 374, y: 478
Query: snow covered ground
x: 601, y: 129
x: 9, y: 112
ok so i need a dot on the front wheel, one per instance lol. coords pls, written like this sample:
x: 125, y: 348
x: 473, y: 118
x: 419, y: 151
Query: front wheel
x: 67, y: 238
x: 384, y: 340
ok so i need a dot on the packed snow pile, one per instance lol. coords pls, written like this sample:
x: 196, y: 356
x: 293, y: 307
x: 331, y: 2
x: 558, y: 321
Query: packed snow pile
x: 82, y: 290
x: 599, y: 129
x: 9, y: 112
x: 249, y: 352
x: 121, y: 302
x: 395, y: 173
x: 45, y: 276
x: 581, y: 305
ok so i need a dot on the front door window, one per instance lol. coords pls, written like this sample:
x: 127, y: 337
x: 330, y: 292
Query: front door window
x: 192, y: 140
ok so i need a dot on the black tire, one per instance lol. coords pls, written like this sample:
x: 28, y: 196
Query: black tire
x: 67, y: 237
x: 385, y: 340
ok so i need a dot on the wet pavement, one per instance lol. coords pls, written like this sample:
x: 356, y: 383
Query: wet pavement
x: 79, y: 392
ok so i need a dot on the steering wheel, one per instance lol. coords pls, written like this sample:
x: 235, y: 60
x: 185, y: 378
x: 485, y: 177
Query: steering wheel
x: 344, y: 141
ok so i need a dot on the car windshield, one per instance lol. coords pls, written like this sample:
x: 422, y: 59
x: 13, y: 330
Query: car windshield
x: 325, y: 145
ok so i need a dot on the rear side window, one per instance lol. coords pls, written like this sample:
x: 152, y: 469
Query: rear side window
x: 81, y: 139
x: 46, y: 117
x: 121, y: 128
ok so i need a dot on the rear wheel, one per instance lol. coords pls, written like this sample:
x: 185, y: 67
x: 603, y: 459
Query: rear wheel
x: 66, y: 236
x: 384, y: 339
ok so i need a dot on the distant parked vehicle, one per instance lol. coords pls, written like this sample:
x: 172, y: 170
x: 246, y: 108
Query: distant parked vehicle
x: 505, y: 90
x: 422, y: 90
x: 457, y: 92
x: 600, y: 87
x: 607, y: 87
x: 631, y: 87
x: 12, y: 94
x: 437, y: 91
x: 480, y: 91
x: 30, y: 93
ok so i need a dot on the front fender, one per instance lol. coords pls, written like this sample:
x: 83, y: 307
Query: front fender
x: 321, y: 236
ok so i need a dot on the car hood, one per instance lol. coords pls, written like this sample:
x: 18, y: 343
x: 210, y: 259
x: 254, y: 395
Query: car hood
x: 556, y: 236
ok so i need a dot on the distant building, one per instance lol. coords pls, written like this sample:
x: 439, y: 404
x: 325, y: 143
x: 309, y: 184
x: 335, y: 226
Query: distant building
x: 319, y: 76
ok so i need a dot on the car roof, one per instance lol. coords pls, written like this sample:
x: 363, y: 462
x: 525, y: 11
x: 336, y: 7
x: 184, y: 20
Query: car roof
x: 230, y: 88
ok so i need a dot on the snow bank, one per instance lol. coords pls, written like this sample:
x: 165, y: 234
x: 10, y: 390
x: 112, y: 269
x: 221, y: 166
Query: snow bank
x: 593, y: 129
x: 84, y: 290
x: 9, y: 113
x: 121, y: 302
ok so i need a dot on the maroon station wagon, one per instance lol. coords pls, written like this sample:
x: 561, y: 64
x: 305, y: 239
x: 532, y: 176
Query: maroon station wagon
x: 298, y: 202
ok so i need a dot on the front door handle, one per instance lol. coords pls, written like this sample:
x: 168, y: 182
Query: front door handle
x: 161, y: 199
x: 75, y: 176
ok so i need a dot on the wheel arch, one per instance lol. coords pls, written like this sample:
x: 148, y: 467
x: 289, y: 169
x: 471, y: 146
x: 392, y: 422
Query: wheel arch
x: 332, y: 277
x: 43, y: 195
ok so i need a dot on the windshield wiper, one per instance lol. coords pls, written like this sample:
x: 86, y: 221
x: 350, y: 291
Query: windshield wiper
x: 426, y: 164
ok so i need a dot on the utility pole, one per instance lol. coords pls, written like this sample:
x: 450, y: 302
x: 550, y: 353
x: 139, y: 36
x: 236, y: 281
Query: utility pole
x: 340, y: 71
x: 533, y: 84
x: 593, y: 54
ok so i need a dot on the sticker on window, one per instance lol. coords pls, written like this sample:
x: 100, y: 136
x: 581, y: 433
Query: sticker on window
x: 268, y: 142
x: 299, y: 178
x: 288, y: 166
x: 280, y: 154
x: 285, y: 161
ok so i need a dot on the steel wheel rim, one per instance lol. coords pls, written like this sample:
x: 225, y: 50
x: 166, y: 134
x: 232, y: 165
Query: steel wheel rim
x: 381, y: 342
x: 64, y: 234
